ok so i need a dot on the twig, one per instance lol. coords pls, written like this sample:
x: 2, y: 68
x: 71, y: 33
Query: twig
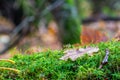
x: 90, y: 20
x: 7, y: 60
x: 10, y: 69
x: 105, y: 60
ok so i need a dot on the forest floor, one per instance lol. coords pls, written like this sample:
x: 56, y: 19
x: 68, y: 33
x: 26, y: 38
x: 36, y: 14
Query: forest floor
x: 47, y: 37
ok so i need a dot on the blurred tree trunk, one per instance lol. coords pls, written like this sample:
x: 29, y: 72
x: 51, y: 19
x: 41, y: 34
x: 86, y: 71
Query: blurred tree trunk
x: 69, y: 23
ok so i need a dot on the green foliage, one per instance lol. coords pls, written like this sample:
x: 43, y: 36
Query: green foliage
x: 72, y: 23
x: 26, y: 7
x: 47, y: 65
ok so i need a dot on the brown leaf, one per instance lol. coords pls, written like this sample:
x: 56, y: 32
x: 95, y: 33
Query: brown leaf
x: 73, y: 54
x: 117, y: 36
x: 90, y: 35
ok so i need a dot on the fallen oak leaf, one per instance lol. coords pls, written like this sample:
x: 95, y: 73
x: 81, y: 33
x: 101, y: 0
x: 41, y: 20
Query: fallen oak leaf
x: 73, y: 54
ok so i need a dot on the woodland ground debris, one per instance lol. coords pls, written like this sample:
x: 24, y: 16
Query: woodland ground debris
x: 105, y: 60
x: 47, y: 65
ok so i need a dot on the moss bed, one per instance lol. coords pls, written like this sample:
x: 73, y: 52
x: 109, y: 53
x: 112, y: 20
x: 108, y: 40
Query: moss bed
x: 48, y: 66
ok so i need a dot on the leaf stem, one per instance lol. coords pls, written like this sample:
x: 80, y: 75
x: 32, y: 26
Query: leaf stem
x: 7, y: 60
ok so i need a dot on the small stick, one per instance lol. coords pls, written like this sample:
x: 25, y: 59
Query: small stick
x: 105, y: 60
x: 7, y: 60
x: 10, y: 69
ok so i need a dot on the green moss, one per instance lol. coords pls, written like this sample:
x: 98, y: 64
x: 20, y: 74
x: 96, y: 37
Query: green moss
x: 47, y: 65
